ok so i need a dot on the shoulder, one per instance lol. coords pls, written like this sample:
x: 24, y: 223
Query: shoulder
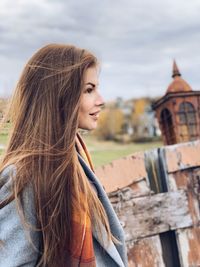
x: 6, y: 181
x: 7, y: 171
x: 7, y: 177
x: 15, y: 237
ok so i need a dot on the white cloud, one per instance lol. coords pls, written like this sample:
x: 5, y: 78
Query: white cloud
x: 135, y: 40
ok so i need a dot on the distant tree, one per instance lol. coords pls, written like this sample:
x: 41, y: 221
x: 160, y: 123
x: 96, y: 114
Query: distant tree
x: 110, y: 123
x: 139, y: 116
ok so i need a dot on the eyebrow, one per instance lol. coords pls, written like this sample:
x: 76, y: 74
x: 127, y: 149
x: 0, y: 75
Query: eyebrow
x: 92, y: 84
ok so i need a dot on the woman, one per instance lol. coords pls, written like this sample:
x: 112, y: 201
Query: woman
x: 53, y: 210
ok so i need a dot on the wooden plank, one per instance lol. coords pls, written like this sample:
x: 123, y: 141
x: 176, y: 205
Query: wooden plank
x: 150, y: 215
x: 146, y: 252
x: 182, y: 167
x: 189, y: 180
x: 140, y: 188
x: 189, y: 246
x: 122, y: 172
x: 181, y: 156
x: 155, y: 172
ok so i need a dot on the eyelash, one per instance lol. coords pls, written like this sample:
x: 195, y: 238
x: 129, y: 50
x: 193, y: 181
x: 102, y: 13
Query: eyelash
x: 89, y: 90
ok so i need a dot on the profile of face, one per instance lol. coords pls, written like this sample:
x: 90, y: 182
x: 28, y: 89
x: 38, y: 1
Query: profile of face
x: 91, y: 100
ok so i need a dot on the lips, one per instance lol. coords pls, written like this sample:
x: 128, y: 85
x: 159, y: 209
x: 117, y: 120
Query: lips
x: 95, y: 113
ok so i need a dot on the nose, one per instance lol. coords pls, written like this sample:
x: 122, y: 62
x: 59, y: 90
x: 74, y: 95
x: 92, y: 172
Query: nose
x: 100, y: 101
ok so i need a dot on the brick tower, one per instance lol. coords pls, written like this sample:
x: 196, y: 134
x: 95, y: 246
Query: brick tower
x: 178, y: 111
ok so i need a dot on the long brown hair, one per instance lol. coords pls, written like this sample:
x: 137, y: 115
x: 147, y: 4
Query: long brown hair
x: 44, y: 118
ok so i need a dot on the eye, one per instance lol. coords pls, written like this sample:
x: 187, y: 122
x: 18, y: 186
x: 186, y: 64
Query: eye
x: 89, y: 90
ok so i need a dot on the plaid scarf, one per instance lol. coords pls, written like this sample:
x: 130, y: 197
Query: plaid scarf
x: 82, y: 251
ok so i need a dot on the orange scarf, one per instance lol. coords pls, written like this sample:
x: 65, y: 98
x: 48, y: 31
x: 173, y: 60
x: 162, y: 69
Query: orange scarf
x: 82, y: 250
x: 83, y: 151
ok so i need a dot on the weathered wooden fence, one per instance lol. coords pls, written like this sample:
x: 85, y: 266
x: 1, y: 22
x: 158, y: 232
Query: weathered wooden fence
x: 156, y: 195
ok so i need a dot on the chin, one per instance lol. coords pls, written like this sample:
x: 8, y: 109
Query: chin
x: 88, y: 127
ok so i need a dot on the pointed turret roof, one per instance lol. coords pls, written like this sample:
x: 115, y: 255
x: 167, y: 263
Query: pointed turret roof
x: 178, y: 84
x: 175, y: 71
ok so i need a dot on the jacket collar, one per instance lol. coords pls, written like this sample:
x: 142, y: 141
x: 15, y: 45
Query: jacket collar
x: 111, y: 248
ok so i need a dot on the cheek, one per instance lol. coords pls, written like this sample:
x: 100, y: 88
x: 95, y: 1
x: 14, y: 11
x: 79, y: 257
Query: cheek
x: 86, y: 105
x: 82, y: 111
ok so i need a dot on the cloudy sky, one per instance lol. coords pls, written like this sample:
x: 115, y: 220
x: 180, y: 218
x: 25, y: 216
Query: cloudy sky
x: 136, y: 41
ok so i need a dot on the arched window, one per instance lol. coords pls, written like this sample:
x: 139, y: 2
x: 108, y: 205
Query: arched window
x: 167, y: 126
x: 187, y: 121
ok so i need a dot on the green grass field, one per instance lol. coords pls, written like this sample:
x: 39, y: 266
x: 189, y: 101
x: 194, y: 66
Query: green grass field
x: 103, y: 152
x: 3, y: 139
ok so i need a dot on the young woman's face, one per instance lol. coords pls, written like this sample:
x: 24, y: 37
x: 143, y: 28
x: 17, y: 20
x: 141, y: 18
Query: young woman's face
x: 91, y: 100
